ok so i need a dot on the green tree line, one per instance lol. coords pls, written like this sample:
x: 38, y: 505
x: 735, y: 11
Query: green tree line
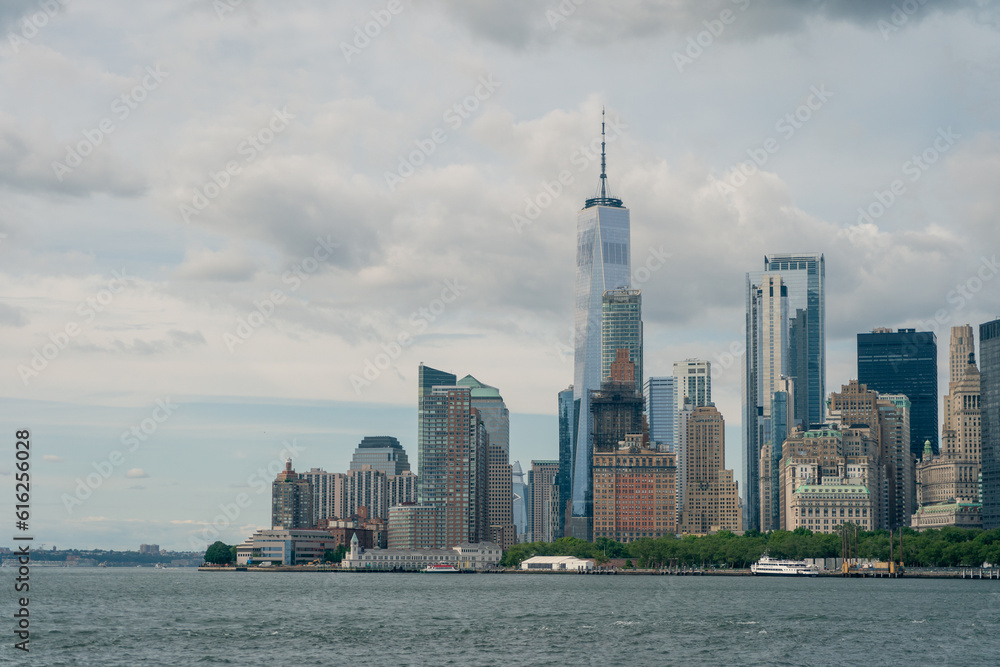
x: 945, y: 547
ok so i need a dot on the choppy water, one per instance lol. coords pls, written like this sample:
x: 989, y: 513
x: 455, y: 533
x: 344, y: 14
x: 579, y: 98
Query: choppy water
x: 178, y: 617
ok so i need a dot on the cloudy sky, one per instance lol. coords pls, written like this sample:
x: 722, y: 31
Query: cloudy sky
x: 230, y: 230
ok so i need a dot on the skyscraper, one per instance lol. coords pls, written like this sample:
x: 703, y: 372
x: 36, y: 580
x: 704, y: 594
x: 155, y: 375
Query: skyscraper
x: 329, y: 493
x: 711, y: 500
x: 453, y: 462
x: 381, y: 452
x: 563, y: 484
x: 694, y: 382
x: 621, y: 328
x: 660, y: 394
x: 904, y: 362
x: 429, y: 453
x: 989, y: 369
x: 291, y: 500
x: 521, y: 500
x: 543, y: 475
x: 602, y: 264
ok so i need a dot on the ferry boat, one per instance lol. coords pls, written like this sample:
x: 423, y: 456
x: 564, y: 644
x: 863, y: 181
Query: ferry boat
x: 440, y: 567
x: 775, y: 567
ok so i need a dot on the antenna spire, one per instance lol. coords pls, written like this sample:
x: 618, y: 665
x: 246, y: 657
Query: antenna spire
x: 604, y: 175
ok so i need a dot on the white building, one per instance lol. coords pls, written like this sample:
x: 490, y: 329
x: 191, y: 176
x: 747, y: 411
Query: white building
x: 285, y: 547
x: 558, y: 563
x: 475, y: 557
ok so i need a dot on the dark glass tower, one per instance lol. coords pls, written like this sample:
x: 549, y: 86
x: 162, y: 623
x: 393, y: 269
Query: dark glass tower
x: 904, y: 362
x: 429, y: 454
x: 564, y: 479
x: 381, y: 452
x: 989, y: 378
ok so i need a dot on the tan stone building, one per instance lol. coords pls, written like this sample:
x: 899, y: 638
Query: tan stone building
x: 823, y: 507
x: 711, y: 494
x: 948, y: 484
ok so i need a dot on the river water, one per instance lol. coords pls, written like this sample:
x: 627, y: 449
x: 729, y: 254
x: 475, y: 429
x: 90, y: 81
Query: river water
x: 123, y: 616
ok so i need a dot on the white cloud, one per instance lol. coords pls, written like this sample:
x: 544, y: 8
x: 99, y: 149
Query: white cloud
x: 136, y: 473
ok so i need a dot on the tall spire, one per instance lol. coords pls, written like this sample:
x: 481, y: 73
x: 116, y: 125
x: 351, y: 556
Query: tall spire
x: 603, y: 198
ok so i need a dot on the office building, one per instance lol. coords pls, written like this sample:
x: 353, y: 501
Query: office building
x: 683, y: 417
x: 694, y: 381
x: 660, y: 394
x: 904, y: 362
x: 381, y: 452
x: 521, y: 500
x: 634, y: 492
x: 543, y: 476
x: 621, y: 329
x: 602, y: 264
x: 711, y: 494
x: 563, y: 486
x: 989, y: 369
x: 430, y: 453
x: 291, y: 500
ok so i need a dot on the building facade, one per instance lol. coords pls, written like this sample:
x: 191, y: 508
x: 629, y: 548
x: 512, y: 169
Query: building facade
x: 381, y: 452
x: 563, y: 508
x: 476, y: 557
x: 414, y: 526
x: 989, y: 368
x: 329, y: 493
x: 904, y: 362
x: 711, y: 494
x: 291, y: 501
x: 694, y: 381
x: 544, y: 476
x: 367, y: 487
x: 634, y: 493
x: 621, y: 329
x: 603, y: 263
x: 660, y: 394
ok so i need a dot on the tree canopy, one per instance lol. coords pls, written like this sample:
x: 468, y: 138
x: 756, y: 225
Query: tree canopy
x: 220, y: 553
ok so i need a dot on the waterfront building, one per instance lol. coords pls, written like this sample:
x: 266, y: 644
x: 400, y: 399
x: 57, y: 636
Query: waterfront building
x: 694, y: 381
x: 904, y: 362
x: 329, y: 493
x: 543, y: 477
x: 948, y: 484
x: 660, y: 394
x: 476, y: 557
x: 285, y: 547
x: 602, y: 263
x: 621, y: 329
x: 415, y: 526
x: 454, y: 462
x: 500, y: 494
x: 785, y: 336
x: 821, y: 508
x: 402, y: 488
x: 711, y: 494
x: 291, y: 500
x: 989, y: 368
x: 558, y: 563
x: 381, y: 452
x: 634, y: 492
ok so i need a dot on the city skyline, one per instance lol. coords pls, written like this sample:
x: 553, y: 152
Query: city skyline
x: 208, y: 323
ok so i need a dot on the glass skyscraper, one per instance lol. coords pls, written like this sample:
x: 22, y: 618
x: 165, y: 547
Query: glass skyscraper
x: 904, y: 362
x: 429, y: 454
x: 785, y: 339
x: 660, y: 394
x: 381, y: 452
x: 989, y: 401
x: 567, y: 455
x: 602, y: 264
x: 621, y: 328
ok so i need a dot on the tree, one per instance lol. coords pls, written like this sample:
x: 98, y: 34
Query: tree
x: 335, y: 555
x: 220, y: 553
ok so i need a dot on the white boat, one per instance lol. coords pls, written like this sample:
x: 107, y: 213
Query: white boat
x: 775, y: 567
x: 440, y: 567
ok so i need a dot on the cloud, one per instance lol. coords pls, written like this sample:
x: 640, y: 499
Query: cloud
x: 12, y: 316
x: 136, y: 473
x: 52, y: 458
x: 203, y: 264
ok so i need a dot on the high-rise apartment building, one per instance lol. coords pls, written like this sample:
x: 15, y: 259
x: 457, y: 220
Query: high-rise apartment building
x: 367, y: 487
x: 904, y: 362
x: 989, y: 369
x: 634, y: 492
x: 660, y: 394
x: 381, y: 452
x: 454, y: 462
x: 602, y: 264
x: 414, y: 526
x: 291, y: 500
x: 329, y: 493
x: 621, y: 329
x: 711, y: 494
x: 402, y: 488
x: 430, y: 453
x: 694, y: 381
x: 543, y: 476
